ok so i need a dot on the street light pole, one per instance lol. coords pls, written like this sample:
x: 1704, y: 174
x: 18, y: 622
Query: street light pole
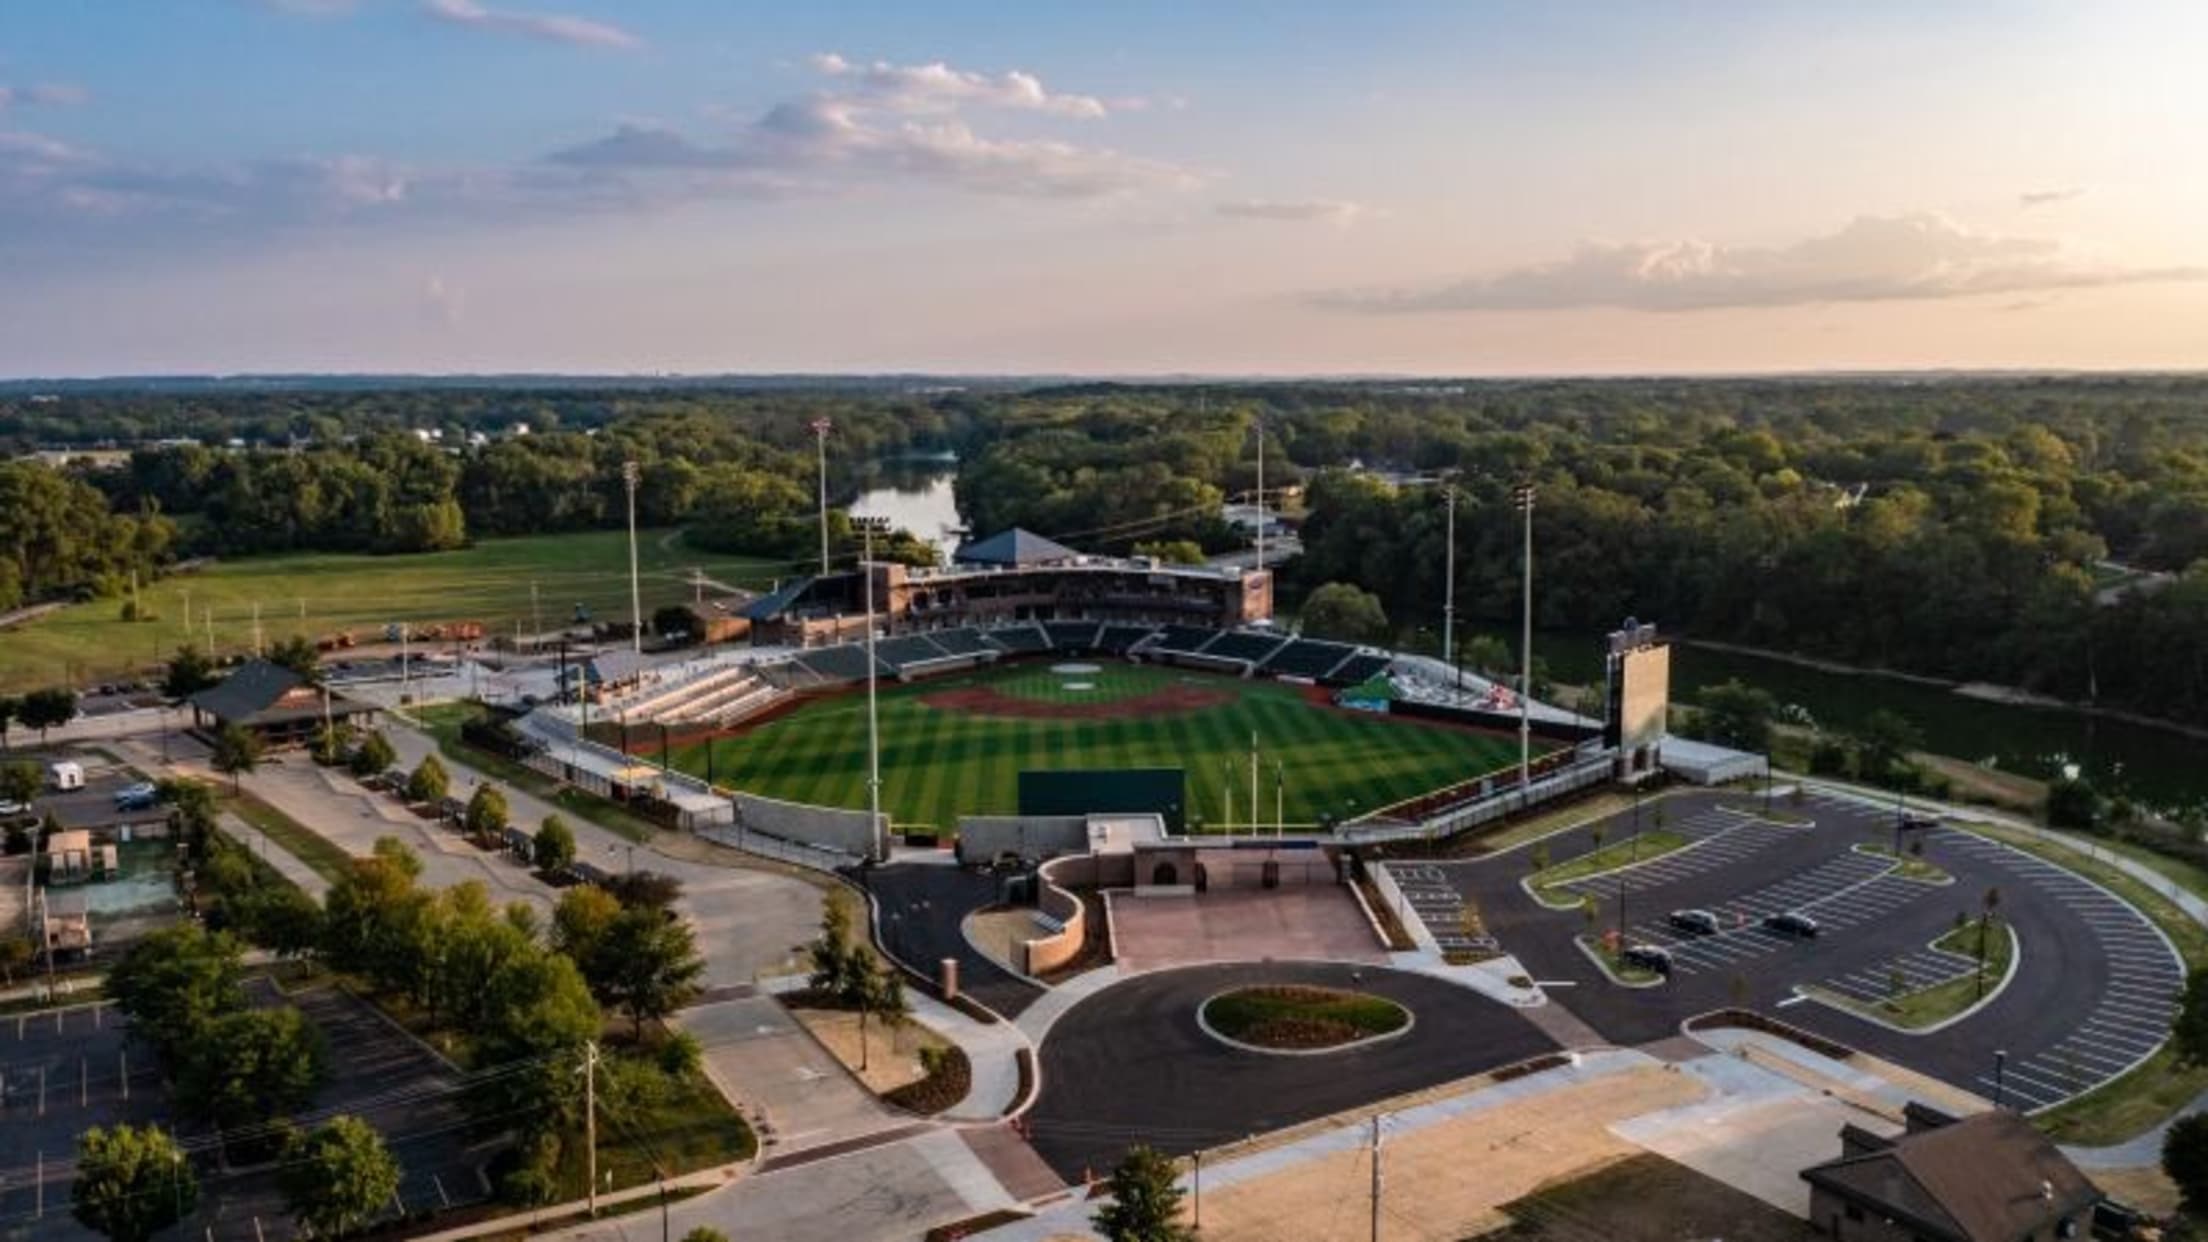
x: 821, y: 427
x: 1449, y: 588
x: 631, y: 475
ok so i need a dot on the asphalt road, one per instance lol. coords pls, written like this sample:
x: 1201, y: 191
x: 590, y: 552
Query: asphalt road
x: 922, y: 907
x: 2092, y: 994
x: 1131, y: 1065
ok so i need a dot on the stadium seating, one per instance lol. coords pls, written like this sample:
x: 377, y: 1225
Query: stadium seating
x: 1186, y: 639
x: 962, y: 642
x: 1357, y: 670
x: 1244, y: 645
x: 1020, y: 639
x: 1307, y: 657
x: 844, y: 663
x: 911, y: 651
x: 1077, y: 636
x: 1120, y: 639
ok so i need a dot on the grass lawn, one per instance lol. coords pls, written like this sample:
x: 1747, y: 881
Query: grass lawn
x: 939, y: 763
x: 301, y: 842
x: 1926, y: 1006
x: 1912, y: 867
x: 2159, y: 1087
x: 318, y: 594
x: 1652, y: 843
x: 442, y: 721
x: 1302, y: 1017
x: 690, y: 1127
x: 1613, y: 961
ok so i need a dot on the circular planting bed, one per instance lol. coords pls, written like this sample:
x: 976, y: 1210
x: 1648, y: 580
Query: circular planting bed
x: 1300, y: 1018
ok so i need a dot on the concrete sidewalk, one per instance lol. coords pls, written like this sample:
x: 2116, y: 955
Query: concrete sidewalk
x: 992, y: 1052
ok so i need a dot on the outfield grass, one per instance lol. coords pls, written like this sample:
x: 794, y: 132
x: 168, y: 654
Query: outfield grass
x: 488, y: 582
x: 939, y: 764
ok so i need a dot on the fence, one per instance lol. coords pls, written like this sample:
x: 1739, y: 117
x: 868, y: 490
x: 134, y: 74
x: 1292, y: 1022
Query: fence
x: 1496, y: 805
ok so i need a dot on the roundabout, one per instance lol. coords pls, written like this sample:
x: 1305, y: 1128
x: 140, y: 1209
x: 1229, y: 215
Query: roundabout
x: 1133, y: 1063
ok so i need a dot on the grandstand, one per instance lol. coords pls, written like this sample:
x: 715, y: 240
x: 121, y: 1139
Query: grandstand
x: 964, y: 642
x: 1251, y: 648
x: 1357, y: 670
x: 1182, y: 640
x: 1308, y: 657
x: 1121, y: 639
x: 1026, y: 639
x: 1078, y: 636
x: 844, y: 663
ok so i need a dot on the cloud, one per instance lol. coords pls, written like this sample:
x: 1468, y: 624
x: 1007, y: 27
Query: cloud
x: 1873, y: 258
x: 1296, y: 210
x: 42, y: 94
x: 2044, y: 198
x: 885, y: 122
x: 936, y: 87
x: 559, y: 28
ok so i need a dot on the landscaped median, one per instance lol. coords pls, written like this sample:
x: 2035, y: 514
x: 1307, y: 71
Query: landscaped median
x: 1301, y: 1018
x: 1912, y: 867
x: 1609, y: 954
x: 1920, y: 1009
x: 1638, y: 848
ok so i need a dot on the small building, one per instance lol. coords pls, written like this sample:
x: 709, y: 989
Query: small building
x: 276, y: 703
x: 1015, y: 547
x: 69, y: 857
x: 1706, y: 763
x: 1989, y: 1177
x: 720, y: 620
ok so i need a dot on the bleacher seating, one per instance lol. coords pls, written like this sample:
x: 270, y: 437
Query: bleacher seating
x: 1076, y: 636
x: 844, y: 663
x: 1185, y: 638
x: 1308, y: 657
x: 1357, y: 670
x: 1020, y: 639
x: 962, y: 642
x: 910, y: 651
x: 1120, y: 639
x: 1243, y: 645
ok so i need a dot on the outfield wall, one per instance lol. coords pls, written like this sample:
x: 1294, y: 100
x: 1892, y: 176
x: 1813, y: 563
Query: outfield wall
x: 983, y: 837
x: 852, y: 832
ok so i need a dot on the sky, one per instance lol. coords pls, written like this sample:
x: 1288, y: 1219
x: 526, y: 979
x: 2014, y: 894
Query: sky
x: 1454, y: 187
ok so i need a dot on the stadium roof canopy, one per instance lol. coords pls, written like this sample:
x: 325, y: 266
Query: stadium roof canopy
x: 1014, y: 547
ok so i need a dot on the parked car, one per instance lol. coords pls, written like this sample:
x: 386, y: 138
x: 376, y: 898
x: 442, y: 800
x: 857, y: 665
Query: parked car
x: 1693, y: 922
x: 1918, y: 821
x: 1791, y: 923
x: 8, y: 809
x: 1647, y: 957
x: 138, y: 797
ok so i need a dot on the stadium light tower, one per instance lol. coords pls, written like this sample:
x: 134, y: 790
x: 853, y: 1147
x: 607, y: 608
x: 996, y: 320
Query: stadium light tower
x: 631, y: 475
x: 869, y: 527
x: 1522, y: 496
x: 821, y: 427
x: 1449, y: 584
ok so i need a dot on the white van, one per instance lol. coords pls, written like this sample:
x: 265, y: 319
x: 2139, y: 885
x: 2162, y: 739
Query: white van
x: 66, y: 776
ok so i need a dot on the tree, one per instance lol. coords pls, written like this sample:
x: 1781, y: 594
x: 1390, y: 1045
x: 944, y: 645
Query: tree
x: 1172, y: 551
x: 1145, y: 1201
x: 554, y: 844
x: 237, y: 750
x: 581, y: 921
x: 2072, y: 802
x: 189, y: 672
x: 2189, y: 1034
x: 281, y: 919
x: 131, y: 1182
x: 1487, y: 654
x: 487, y: 815
x: 339, y: 1177
x: 837, y: 962
x: 1738, y: 715
x: 297, y: 653
x: 252, y: 1066
x: 1345, y: 612
x: 11, y: 710
x: 705, y: 1233
x: 20, y: 782
x: 675, y: 621
x: 647, y: 964
x: 645, y: 890
x: 1883, y: 743
x: 15, y: 954
x: 879, y: 991
x: 2185, y: 1158
x: 428, y: 782
x: 373, y: 757
x: 173, y: 984
x: 44, y: 709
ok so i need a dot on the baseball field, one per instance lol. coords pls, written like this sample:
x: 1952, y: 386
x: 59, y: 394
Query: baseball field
x: 956, y: 745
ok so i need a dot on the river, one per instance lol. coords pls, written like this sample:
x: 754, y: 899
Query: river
x: 2158, y: 767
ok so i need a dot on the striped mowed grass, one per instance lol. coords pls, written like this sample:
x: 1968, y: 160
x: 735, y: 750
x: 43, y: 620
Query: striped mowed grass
x: 941, y: 762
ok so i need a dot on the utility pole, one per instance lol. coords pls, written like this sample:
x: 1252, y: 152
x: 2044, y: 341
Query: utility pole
x: 868, y: 526
x: 590, y: 1118
x: 1227, y: 786
x: 187, y: 616
x: 1255, y: 829
x: 1522, y: 496
x: 1449, y: 586
x: 1376, y: 1177
x: 631, y: 475
x: 1280, y: 799
x: 256, y: 628
x: 536, y: 613
x: 405, y: 665
x: 820, y: 443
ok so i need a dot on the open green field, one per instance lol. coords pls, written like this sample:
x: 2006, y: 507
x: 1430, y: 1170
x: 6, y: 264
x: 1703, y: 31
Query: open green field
x: 941, y: 762
x: 316, y: 594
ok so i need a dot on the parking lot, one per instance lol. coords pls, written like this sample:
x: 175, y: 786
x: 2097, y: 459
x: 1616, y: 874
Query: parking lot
x: 2092, y: 994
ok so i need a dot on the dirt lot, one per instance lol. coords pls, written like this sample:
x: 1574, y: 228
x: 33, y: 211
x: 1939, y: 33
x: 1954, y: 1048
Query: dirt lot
x: 1454, y: 1178
x: 893, y: 1057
